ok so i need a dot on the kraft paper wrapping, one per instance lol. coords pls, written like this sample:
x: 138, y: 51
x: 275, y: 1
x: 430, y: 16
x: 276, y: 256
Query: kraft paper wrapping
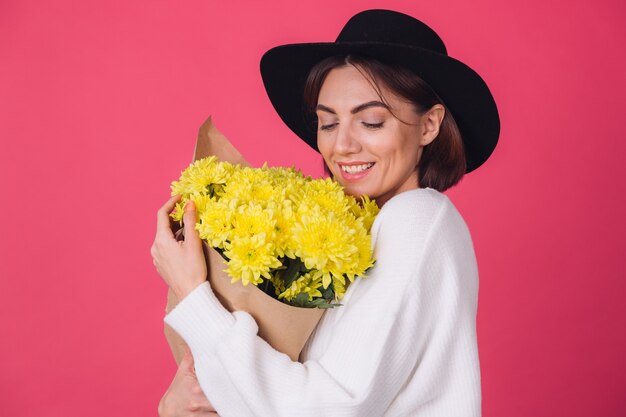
x: 284, y: 327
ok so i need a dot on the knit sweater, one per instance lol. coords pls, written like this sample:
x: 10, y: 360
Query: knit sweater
x: 402, y: 344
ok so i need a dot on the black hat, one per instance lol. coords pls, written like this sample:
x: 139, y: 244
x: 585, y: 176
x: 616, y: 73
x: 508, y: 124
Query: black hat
x: 396, y: 39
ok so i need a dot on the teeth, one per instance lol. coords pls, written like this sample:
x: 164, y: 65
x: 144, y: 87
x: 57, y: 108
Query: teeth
x: 353, y: 169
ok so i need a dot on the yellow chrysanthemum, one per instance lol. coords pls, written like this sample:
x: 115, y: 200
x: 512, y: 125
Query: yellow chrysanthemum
x: 364, y: 255
x: 325, y: 193
x: 201, y: 202
x: 253, y: 185
x: 200, y: 177
x: 340, y: 289
x: 324, y: 243
x: 308, y: 284
x: 216, y: 223
x: 250, y: 259
x: 251, y: 219
x: 365, y: 209
x: 179, y: 211
x: 284, y: 217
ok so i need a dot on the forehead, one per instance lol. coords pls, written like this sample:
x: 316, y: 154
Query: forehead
x: 349, y: 86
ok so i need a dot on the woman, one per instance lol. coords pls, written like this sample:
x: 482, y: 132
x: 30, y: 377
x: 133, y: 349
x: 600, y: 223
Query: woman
x: 378, y: 107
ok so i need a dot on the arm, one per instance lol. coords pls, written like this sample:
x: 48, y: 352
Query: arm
x: 404, y: 331
x: 176, y: 343
x: 359, y: 374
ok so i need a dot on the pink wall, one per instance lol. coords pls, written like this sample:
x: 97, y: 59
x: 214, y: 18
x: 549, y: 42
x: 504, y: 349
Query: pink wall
x: 99, y: 107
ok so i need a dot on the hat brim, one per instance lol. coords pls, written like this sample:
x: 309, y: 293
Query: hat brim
x: 284, y: 70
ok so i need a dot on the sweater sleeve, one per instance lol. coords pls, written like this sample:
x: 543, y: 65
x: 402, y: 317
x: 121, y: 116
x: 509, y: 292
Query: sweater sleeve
x: 242, y: 375
x: 390, y: 332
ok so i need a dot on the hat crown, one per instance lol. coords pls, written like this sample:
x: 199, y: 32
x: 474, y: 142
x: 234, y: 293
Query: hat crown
x: 387, y: 26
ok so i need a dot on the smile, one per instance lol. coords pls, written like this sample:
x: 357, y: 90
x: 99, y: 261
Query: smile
x: 354, y: 169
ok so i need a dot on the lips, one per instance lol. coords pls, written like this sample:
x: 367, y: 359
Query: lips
x: 353, y: 171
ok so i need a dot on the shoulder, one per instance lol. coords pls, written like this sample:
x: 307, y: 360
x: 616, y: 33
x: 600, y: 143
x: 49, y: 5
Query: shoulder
x: 407, y: 203
x: 421, y: 230
x: 413, y: 216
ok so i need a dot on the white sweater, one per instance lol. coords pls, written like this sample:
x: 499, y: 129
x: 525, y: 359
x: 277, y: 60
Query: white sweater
x: 402, y: 344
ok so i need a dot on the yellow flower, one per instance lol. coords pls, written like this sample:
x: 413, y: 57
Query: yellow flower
x: 324, y: 242
x: 366, y: 209
x: 308, y: 284
x: 200, y: 177
x: 251, y: 219
x: 253, y: 185
x: 325, y: 193
x: 179, y: 211
x: 202, y: 201
x: 283, y: 216
x: 250, y: 259
x: 364, y: 256
x: 340, y: 289
x: 216, y: 222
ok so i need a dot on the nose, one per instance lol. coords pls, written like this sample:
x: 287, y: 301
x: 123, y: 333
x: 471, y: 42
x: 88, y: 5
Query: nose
x: 346, y: 142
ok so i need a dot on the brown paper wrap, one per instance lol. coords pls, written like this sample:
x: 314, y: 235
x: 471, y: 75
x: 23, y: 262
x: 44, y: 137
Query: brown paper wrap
x: 284, y: 327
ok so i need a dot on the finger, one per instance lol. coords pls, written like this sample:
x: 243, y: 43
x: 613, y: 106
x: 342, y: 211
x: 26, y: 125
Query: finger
x: 189, y: 221
x: 163, y: 215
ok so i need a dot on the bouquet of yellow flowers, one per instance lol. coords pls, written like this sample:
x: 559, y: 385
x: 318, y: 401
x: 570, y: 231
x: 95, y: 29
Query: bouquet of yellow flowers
x: 300, y: 240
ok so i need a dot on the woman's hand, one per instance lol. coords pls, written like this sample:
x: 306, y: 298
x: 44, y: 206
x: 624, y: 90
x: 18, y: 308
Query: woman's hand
x: 184, y: 397
x: 181, y: 264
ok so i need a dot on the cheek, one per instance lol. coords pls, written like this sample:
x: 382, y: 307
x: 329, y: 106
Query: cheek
x: 325, y: 148
x: 397, y: 161
x: 385, y: 151
x: 406, y: 152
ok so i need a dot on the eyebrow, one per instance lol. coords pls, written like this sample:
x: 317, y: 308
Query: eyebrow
x: 355, y: 110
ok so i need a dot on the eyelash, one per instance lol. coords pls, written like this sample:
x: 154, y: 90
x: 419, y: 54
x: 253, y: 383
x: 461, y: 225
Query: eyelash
x: 367, y: 125
x: 373, y: 125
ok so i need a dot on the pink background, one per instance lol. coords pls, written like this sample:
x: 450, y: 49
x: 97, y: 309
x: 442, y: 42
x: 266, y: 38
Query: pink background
x: 99, y: 107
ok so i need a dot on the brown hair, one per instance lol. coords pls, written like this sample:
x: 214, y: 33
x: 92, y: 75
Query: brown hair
x: 442, y: 163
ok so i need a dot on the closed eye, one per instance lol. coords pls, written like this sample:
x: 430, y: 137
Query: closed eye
x: 328, y: 126
x: 373, y: 125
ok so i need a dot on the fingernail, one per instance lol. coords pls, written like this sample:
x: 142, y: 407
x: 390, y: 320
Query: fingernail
x: 190, y: 206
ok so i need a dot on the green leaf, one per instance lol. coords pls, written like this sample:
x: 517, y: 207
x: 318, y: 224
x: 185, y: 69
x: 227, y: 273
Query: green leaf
x: 302, y: 300
x: 321, y: 303
x: 329, y: 293
x: 292, y: 272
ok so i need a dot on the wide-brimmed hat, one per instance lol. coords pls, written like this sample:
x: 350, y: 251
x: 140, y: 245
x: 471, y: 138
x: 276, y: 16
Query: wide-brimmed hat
x: 395, y: 39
